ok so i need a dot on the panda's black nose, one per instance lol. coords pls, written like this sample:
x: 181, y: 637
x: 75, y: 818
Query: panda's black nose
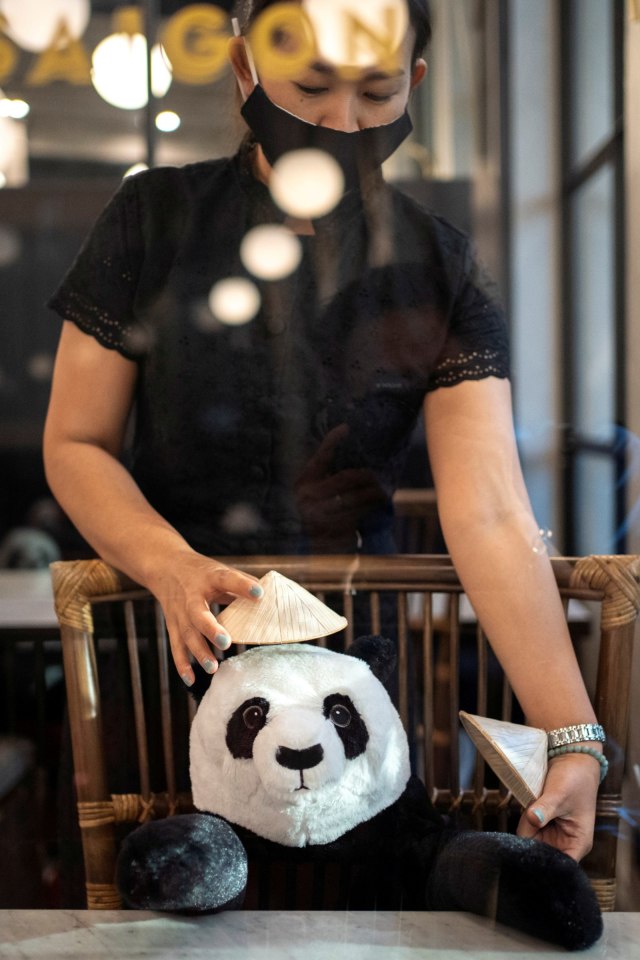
x: 300, y: 759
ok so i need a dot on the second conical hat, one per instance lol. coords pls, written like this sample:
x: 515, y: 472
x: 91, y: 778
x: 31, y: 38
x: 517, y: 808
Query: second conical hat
x: 517, y: 754
x: 287, y: 613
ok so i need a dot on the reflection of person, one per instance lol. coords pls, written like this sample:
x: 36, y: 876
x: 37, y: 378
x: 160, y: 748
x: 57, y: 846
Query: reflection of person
x: 287, y: 434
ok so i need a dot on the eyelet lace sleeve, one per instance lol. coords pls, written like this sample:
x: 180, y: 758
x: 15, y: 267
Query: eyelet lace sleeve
x: 98, y: 291
x: 477, y: 343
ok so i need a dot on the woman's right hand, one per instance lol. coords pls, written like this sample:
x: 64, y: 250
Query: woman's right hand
x: 185, y: 590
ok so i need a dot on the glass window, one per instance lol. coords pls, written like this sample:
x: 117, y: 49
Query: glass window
x: 68, y: 135
x: 592, y: 70
x: 595, y: 504
x: 593, y: 224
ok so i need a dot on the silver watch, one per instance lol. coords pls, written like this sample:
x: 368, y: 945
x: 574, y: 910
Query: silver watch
x: 575, y: 734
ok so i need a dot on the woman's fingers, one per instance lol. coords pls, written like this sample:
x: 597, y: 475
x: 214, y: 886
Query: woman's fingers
x: 563, y: 816
x: 189, y: 644
x: 193, y: 629
x: 202, y: 620
x: 226, y: 582
x: 182, y: 641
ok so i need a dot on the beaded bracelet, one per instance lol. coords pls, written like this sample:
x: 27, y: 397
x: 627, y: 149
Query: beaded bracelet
x: 578, y: 748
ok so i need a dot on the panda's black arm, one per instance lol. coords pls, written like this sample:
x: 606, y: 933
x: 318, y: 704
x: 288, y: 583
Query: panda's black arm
x: 522, y: 883
x: 186, y: 864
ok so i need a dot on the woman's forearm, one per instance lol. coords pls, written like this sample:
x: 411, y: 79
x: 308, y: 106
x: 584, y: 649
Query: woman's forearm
x: 110, y: 511
x: 510, y: 583
x: 91, y: 397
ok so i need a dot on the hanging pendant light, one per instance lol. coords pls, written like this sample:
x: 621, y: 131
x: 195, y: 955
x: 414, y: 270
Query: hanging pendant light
x: 33, y: 24
x: 119, y: 70
x: 355, y: 35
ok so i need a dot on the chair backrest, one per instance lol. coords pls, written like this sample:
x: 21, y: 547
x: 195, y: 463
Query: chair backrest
x: 129, y: 713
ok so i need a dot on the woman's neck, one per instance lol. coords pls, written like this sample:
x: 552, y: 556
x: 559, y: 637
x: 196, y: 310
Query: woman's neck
x: 262, y: 170
x: 260, y: 166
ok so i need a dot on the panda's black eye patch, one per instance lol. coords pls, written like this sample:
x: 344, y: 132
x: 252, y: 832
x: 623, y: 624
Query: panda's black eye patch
x: 244, y: 725
x: 350, y: 727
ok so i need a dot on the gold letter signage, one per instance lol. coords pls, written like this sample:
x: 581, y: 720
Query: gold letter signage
x: 195, y: 39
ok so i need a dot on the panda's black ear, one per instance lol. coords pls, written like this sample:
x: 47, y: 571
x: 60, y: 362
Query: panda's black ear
x: 201, y: 684
x: 378, y: 652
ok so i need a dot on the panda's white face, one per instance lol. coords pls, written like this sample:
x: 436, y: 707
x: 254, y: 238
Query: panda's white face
x: 298, y: 744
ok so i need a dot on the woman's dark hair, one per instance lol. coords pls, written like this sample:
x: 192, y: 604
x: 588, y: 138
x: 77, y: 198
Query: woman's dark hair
x: 419, y: 17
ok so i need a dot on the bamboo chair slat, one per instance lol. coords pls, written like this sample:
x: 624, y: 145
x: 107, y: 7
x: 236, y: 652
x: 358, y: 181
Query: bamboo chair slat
x: 403, y: 659
x: 162, y: 641
x: 138, y: 701
x: 427, y: 693
x: 454, y: 692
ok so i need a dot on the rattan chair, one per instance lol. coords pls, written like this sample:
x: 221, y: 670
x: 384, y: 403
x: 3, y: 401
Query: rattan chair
x: 442, y: 665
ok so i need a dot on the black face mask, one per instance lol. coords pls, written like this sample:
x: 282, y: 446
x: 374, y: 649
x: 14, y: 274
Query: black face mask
x: 358, y: 153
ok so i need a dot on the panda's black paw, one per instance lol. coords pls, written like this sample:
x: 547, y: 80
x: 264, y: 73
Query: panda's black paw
x: 522, y: 883
x: 186, y: 864
x: 546, y: 893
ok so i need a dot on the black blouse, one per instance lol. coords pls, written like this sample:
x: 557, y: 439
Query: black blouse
x: 287, y: 434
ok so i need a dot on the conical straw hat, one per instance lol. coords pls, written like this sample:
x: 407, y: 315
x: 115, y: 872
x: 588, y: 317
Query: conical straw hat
x: 517, y: 754
x: 287, y: 613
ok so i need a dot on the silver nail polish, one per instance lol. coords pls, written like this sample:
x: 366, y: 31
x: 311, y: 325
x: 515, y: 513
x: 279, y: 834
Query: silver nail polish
x: 187, y: 679
x: 209, y: 665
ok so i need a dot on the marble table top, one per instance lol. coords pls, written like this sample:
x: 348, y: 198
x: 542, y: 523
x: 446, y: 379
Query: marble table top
x: 252, y: 935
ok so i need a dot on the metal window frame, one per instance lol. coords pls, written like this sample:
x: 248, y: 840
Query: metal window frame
x: 573, y: 177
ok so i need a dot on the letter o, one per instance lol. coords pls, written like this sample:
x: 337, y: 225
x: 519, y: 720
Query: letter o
x: 274, y: 63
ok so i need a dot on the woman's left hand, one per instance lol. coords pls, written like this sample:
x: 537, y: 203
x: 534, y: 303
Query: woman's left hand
x: 564, y: 815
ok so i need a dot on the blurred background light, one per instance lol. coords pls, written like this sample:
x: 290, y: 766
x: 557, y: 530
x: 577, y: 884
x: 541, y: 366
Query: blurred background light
x: 14, y: 153
x: 234, y: 301
x: 10, y: 245
x: 119, y: 71
x: 33, y: 24
x: 271, y: 251
x: 307, y: 183
x: 40, y: 367
x: 135, y: 168
x: 14, y: 109
x: 167, y: 121
x: 355, y: 34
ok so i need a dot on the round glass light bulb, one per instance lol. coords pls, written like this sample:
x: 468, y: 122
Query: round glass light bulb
x: 307, y: 183
x: 167, y: 121
x: 135, y: 168
x: 33, y: 24
x: 358, y: 35
x: 14, y: 109
x: 271, y: 251
x: 10, y: 137
x: 234, y: 301
x: 119, y: 71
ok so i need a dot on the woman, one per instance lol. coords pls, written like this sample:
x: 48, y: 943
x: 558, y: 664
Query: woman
x: 288, y: 434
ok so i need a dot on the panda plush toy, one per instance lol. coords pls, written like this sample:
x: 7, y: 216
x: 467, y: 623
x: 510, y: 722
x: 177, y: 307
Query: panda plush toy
x: 298, y: 756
